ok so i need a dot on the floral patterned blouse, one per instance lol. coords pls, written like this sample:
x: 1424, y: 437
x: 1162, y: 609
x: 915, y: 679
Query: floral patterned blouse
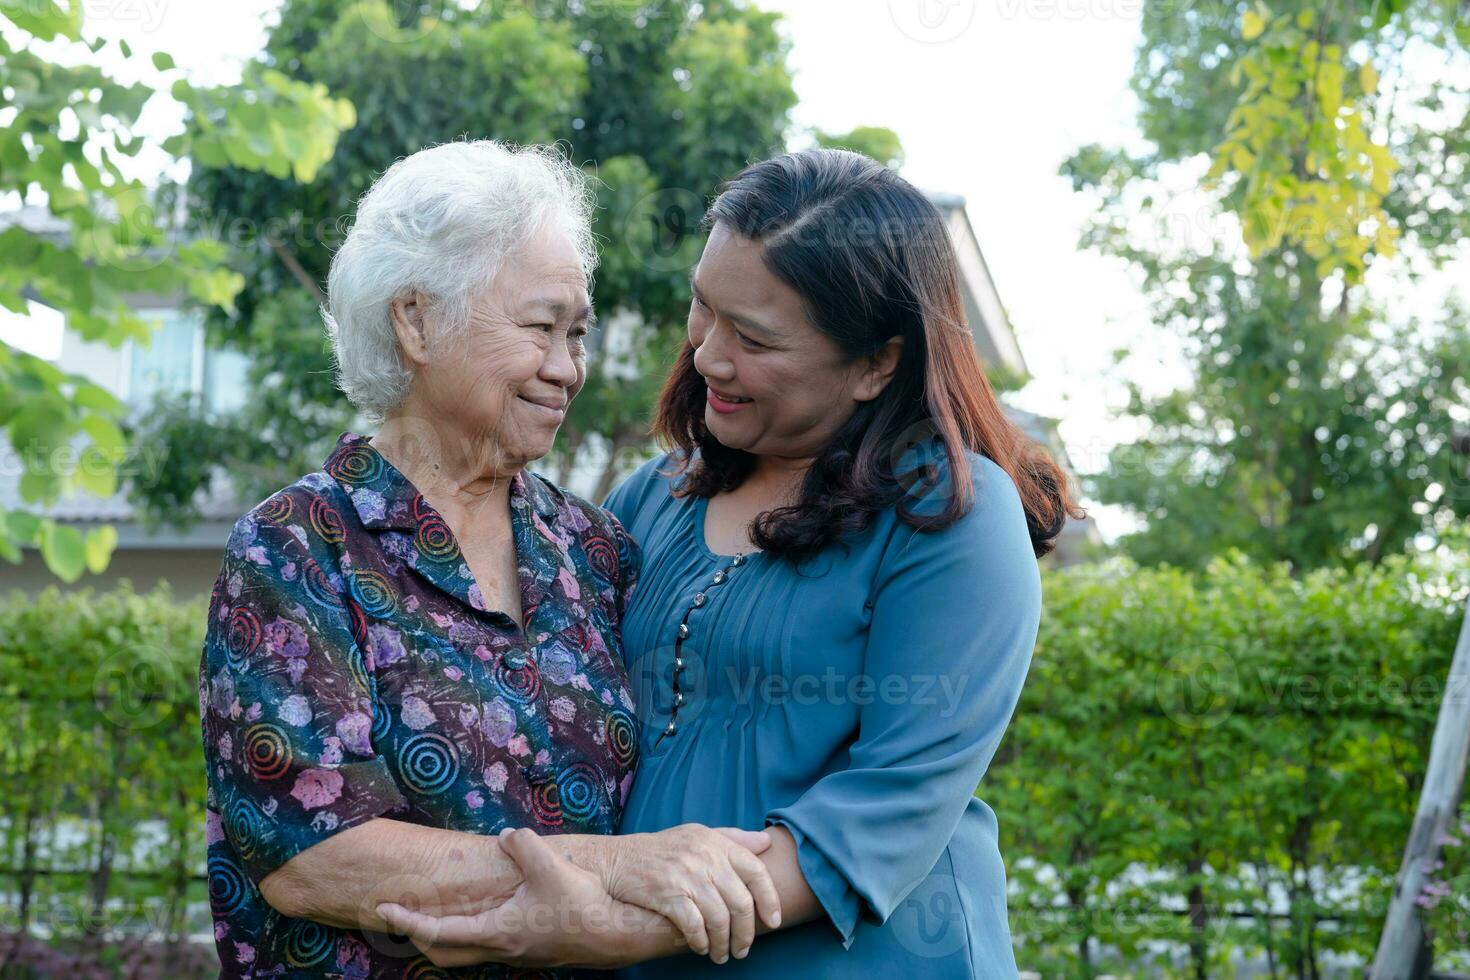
x: 351, y: 670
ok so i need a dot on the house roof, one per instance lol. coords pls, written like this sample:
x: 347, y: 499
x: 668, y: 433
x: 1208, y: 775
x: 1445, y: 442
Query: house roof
x: 994, y: 336
x: 218, y: 508
x: 36, y: 220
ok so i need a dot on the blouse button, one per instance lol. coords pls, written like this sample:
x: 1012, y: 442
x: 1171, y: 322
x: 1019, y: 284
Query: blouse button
x: 698, y: 598
x: 678, y: 700
x: 738, y: 560
x: 678, y: 664
x: 671, y: 729
x: 719, y: 577
x: 683, y: 631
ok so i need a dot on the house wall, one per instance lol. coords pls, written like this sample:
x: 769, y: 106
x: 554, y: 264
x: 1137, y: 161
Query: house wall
x: 190, y: 574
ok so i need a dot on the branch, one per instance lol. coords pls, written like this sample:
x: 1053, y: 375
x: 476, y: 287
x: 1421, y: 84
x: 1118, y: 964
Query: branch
x: 298, y: 272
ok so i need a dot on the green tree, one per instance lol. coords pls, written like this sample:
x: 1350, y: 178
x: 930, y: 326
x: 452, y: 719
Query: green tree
x: 659, y: 102
x: 1317, y: 425
x: 881, y: 144
x: 66, y: 140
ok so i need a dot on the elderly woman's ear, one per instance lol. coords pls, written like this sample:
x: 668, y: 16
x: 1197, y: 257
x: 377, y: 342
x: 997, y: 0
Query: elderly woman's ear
x: 408, y: 314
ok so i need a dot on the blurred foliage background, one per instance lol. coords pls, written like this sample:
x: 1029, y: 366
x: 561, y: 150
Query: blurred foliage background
x: 1207, y: 769
x: 1219, y: 749
x: 1334, y: 139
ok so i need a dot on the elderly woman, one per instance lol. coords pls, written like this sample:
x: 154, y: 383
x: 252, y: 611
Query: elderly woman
x: 418, y: 647
x: 840, y: 594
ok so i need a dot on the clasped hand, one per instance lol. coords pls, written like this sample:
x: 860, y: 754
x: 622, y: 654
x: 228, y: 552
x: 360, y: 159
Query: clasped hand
x: 591, y: 910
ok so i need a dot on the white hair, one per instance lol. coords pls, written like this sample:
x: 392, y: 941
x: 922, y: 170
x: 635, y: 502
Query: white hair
x: 441, y: 223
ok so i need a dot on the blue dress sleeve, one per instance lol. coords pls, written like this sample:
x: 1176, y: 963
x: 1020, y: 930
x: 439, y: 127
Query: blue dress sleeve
x: 954, y: 620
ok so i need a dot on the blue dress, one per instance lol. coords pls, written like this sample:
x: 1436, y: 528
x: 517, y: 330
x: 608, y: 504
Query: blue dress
x: 856, y: 701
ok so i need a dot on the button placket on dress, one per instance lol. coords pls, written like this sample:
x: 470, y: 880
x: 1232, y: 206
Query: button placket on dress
x: 700, y: 598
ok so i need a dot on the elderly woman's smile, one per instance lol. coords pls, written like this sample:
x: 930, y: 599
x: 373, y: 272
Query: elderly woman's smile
x: 551, y: 410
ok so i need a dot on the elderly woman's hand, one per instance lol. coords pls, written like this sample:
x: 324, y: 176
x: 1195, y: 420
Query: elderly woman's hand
x: 587, y: 911
x: 559, y: 917
x: 708, y: 882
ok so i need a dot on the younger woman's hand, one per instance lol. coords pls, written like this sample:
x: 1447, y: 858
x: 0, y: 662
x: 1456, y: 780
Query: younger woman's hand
x: 708, y: 882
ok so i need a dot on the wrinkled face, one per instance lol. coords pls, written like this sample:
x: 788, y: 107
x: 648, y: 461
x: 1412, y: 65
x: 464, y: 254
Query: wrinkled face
x: 509, y: 378
x: 777, y: 385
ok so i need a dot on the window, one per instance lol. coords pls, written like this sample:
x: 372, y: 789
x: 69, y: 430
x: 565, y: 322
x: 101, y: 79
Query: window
x: 225, y: 381
x: 172, y: 363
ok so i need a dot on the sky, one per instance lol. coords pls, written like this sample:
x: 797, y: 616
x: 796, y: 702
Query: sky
x: 988, y: 97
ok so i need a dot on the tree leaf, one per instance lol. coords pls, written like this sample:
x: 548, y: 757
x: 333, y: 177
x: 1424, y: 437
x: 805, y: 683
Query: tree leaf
x: 1368, y: 77
x: 1251, y: 25
x: 100, y: 544
x: 63, y: 550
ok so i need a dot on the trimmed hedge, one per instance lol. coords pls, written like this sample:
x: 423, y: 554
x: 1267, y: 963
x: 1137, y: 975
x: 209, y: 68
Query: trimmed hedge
x: 101, y: 765
x: 1202, y: 767
x: 1228, y: 760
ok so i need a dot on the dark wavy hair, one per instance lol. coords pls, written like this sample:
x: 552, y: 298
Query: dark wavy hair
x: 871, y: 259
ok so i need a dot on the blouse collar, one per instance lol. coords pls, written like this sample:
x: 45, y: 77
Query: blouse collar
x: 385, y: 499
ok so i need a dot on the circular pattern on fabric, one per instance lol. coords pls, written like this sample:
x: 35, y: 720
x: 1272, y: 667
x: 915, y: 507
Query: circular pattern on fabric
x: 228, y: 887
x: 318, y: 583
x: 359, y: 624
x: 625, y: 545
x: 521, y: 683
x: 309, y: 943
x: 242, y: 636
x: 375, y: 593
x: 326, y: 522
x: 278, y: 508
x: 602, y: 556
x: 435, y: 540
x: 582, y: 633
x: 242, y: 825
x: 382, y: 720
x: 622, y: 737
x: 422, y: 969
x: 579, y: 788
x: 267, y: 751
x: 428, y: 764
x: 546, y: 803
x: 420, y: 509
x: 358, y: 464
x: 358, y: 667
